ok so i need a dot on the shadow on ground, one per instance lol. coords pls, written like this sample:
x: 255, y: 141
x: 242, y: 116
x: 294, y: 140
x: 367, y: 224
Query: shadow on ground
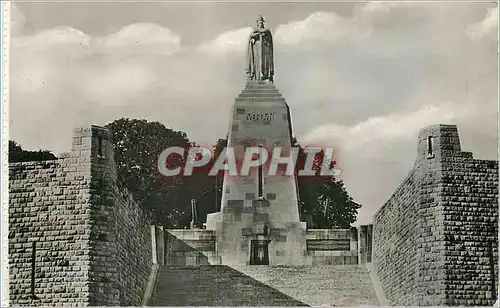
x: 214, y: 285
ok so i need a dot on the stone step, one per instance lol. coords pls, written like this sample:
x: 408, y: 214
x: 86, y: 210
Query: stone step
x: 260, y: 85
x: 339, y: 285
x: 261, y: 99
x: 260, y: 93
x: 268, y: 97
x: 213, y: 286
x: 257, y: 93
x: 270, y: 91
x: 261, y: 89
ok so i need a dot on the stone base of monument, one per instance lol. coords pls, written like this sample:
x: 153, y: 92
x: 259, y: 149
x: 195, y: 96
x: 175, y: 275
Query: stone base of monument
x: 284, y: 246
x: 194, y: 247
x: 259, y: 206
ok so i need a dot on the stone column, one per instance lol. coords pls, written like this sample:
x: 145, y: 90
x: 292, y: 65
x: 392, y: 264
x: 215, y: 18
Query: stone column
x: 354, y: 242
x: 362, y: 244
x: 153, y: 245
x: 160, y: 245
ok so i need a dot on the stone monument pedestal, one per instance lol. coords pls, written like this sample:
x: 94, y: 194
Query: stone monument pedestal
x: 252, y: 203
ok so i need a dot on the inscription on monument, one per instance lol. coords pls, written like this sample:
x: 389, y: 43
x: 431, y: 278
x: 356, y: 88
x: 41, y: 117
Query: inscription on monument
x: 324, y: 244
x: 259, y: 116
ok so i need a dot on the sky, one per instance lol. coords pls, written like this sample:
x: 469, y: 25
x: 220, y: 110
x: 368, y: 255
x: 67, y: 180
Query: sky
x: 363, y: 78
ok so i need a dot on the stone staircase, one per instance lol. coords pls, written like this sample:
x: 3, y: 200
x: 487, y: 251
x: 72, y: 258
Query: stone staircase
x: 260, y: 92
x: 332, y: 285
x: 213, y: 285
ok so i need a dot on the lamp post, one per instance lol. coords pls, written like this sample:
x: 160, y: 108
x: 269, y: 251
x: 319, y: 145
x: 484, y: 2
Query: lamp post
x: 194, y: 214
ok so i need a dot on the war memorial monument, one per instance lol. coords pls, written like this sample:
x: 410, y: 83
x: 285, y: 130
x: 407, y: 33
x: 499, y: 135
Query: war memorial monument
x: 260, y: 214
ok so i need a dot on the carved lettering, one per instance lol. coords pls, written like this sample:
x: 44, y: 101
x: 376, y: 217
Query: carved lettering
x: 333, y: 244
x: 259, y: 117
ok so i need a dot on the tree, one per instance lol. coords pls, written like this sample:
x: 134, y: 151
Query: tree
x: 324, y: 201
x: 17, y: 154
x: 137, y: 145
x: 209, y: 196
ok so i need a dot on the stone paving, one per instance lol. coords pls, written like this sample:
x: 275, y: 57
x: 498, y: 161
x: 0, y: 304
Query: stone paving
x: 347, y: 285
x: 214, y: 285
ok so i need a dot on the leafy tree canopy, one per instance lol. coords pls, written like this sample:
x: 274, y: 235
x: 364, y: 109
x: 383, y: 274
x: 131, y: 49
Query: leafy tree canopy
x: 18, y: 154
x: 137, y: 145
x: 324, y: 201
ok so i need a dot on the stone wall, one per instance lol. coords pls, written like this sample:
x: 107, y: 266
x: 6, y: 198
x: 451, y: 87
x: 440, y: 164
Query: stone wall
x: 93, y: 242
x: 396, y: 233
x: 332, y: 246
x: 194, y: 247
x: 190, y: 247
x: 365, y: 241
x: 54, y: 216
x: 435, y: 240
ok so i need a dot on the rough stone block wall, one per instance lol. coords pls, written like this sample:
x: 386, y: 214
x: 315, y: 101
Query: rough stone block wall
x: 133, y: 246
x: 470, y: 210
x: 396, y: 234
x: 49, y: 205
x: 435, y: 240
x: 93, y: 243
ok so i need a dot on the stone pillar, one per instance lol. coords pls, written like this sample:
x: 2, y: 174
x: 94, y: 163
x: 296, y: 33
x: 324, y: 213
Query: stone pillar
x: 354, y: 241
x: 362, y: 244
x: 160, y: 245
x: 369, y: 232
x: 154, y: 252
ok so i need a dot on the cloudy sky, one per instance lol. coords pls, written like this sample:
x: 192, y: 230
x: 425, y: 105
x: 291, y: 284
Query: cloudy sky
x: 362, y: 77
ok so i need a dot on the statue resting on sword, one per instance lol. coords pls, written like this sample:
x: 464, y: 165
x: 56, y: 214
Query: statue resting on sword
x: 260, y: 66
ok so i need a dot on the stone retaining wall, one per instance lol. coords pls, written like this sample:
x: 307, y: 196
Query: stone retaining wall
x: 332, y: 246
x: 435, y: 240
x: 190, y: 247
x: 92, y: 240
x: 193, y: 247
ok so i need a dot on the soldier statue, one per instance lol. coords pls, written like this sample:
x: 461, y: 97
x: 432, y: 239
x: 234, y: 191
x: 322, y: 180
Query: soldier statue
x: 260, y: 66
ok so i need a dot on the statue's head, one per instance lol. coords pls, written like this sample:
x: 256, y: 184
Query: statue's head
x: 261, y: 22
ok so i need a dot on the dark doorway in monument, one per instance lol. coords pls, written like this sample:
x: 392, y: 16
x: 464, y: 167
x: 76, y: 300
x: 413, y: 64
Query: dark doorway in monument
x: 259, y: 252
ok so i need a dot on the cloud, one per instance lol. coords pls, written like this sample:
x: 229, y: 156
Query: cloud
x: 318, y: 27
x: 384, y: 131
x: 489, y: 25
x: 364, y: 83
x: 375, y: 155
x: 18, y: 20
x: 228, y: 42
x: 52, y: 38
x: 146, y: 36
